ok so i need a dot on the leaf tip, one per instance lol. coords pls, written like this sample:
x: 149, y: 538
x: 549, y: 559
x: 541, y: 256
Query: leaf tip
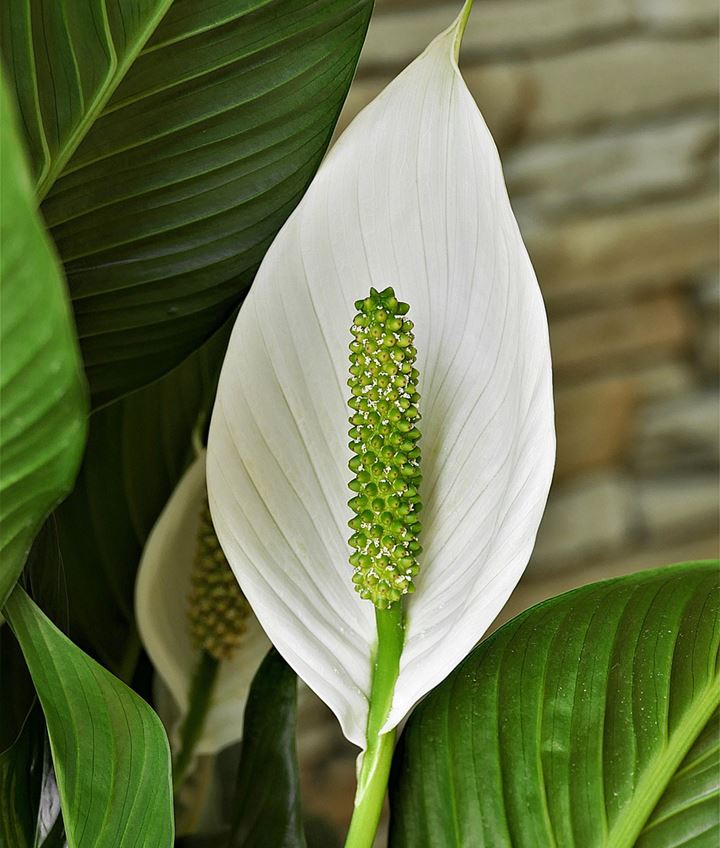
x: 459, y: 27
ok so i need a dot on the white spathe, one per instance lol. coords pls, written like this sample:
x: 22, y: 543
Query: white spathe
x: 411, y: 196
x: 161, y: 596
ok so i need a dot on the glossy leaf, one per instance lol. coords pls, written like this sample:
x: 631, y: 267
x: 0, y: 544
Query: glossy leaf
x: 42, y: 392
x: 196, y: 128
x: 110, y: 752
x: 267, y: 810
x: 690, y: 806
x: 65, y: 66
x: 138, y: 448
x: 586, y: 721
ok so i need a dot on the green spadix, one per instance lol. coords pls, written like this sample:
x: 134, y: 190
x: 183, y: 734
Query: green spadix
x: 217, y: 609
x: 386, y: 454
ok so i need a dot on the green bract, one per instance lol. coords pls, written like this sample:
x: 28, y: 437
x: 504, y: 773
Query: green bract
x: 384, y: 441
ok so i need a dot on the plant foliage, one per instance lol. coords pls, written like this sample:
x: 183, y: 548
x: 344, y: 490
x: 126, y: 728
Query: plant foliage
x: 589, y: 720
x: 42, y: 414
x: 110, y: 752
x: 169, y: 142
x: 267, y: 803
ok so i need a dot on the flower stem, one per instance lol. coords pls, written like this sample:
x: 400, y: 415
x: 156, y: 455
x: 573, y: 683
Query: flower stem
x: 376, y: 760
x: 201, y: 693
x: 461, y: 24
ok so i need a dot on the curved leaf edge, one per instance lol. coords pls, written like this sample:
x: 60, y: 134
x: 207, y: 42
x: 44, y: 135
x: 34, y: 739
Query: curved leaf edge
x: 691, y: 728
x: 41, y: 642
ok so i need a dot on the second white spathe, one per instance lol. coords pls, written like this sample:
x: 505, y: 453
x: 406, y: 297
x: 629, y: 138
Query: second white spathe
x: 161, y: 602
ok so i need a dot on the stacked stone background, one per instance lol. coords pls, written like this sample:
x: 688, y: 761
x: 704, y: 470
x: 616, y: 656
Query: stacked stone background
x: 605, y: 115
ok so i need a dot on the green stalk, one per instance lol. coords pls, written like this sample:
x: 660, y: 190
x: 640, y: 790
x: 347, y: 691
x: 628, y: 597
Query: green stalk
x: 460, y: 25
x: 375, y: 768
x: 201, y: 692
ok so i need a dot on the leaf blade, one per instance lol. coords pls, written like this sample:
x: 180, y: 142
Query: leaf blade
x: 113, y: 792
x: 692, y: 794
x: 267, y: 808
x: 560, y: 719
x: 19, y: 791
x: 103, y: 34
x: 42, y: 391
x: 166, y: 207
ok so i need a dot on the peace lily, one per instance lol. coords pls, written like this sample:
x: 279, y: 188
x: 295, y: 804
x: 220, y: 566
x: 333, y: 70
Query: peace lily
x: 197, y: 628
x: 407, y: 228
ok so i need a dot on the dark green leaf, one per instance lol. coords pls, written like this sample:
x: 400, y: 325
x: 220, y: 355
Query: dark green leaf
x: 20, y: 783
x: 110, y: 752
x: 23, y: 753
x: 137, y: 450
x: 179, y: 184
x: 18, y: 693
x: 582, y: 722
x: 29, y: 813
x: 267, y: 810
x: 56, y: 836
x: 73, y: 66
x: 42, y: 393
x: 29, y: 804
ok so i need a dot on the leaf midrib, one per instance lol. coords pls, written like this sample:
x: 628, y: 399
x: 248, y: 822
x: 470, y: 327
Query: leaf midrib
x: 661, y: 769
x: 115, y: 75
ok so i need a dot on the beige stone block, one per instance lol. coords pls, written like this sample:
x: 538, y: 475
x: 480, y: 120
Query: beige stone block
x: 663, y: 380
x: 661, y: 14
x: 328, y: 794
x: 398, y: 33
x: 679, y: 434
x: 584, y: 519
x: 708, y: 351
x: 594, y: 421
x: 540, y: 582
x: 676, y: 14
x: 609, y: 168
x: 708, y: 296
x: 622, y: 334
x: 654, y: 245
x: 707, y: 343
x: 504, y: 96
x: 606, y: 83
x: 678, y: 507
x: 583, y: 88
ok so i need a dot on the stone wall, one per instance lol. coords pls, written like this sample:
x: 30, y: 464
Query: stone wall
x: 605, y: 117
x: 604, y: 112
